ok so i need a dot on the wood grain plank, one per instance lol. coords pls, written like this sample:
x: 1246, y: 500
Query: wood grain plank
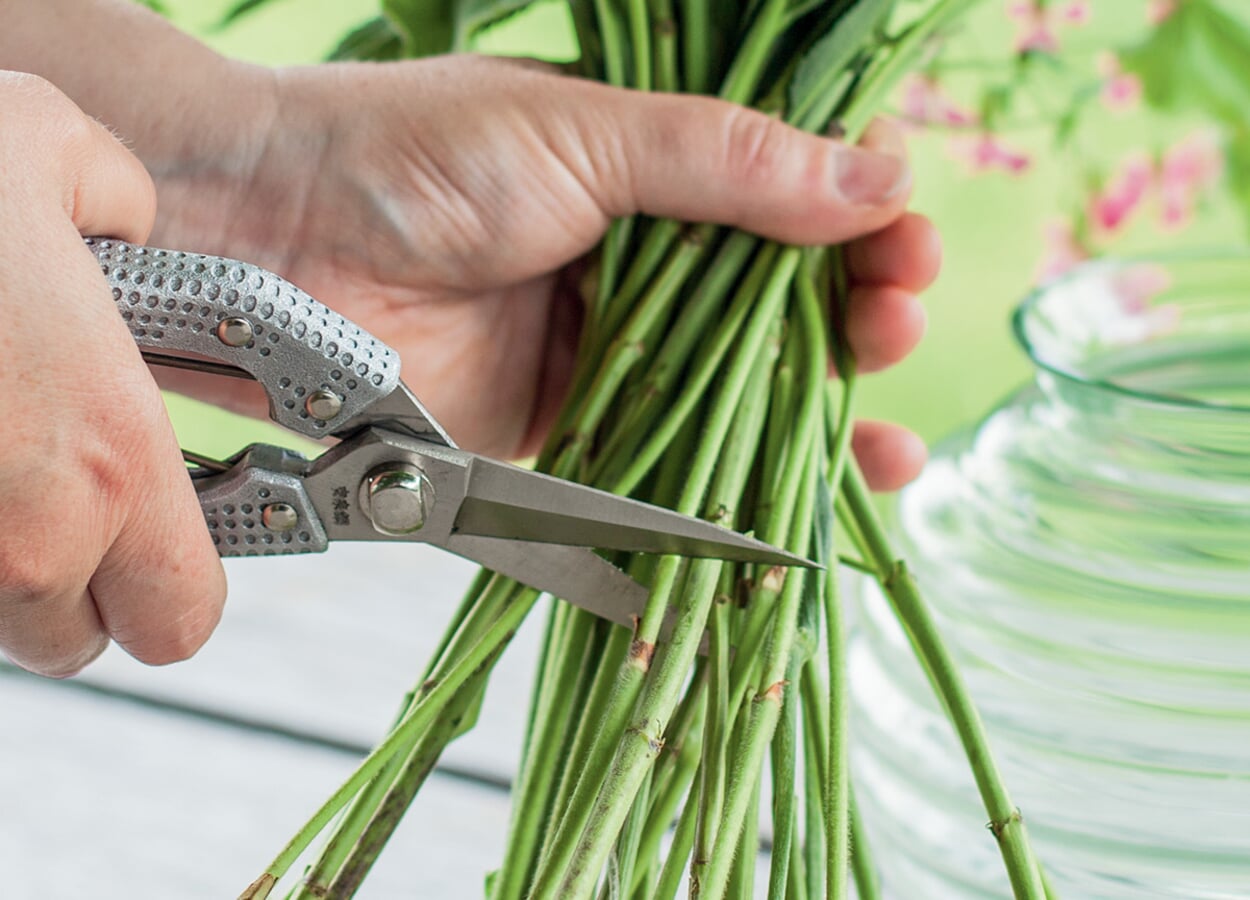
x: 105, y: 799
x: 329, y: 643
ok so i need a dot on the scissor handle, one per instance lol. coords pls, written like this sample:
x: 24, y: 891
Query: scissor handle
x: 318, y: 369
x: 259, y: 506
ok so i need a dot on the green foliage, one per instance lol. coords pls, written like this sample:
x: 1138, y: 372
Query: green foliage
x: 239, y: 10
x: 1238, y: 158
x: 1198, y: 59
x: 825, y: 65
x: 155, y: 6
x: 376, y: 39
x: 428, y: 27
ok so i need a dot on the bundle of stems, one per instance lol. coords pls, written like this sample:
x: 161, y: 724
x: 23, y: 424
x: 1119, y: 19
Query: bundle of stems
x: 702, y: 386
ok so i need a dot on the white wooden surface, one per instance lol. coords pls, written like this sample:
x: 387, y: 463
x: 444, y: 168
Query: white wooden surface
x: 101, y: 797
x: 129, y: 782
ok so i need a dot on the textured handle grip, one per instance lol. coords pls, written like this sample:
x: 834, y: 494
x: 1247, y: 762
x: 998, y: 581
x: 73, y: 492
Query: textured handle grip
x: 319, y: 370
x: 258, y: 509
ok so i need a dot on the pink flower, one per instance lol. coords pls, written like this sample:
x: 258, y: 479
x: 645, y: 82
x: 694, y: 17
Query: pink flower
x: 1187, y: 169
x: 925, y: 103
x: 1120, y: 90
x: 1111, y: 207
x: 1077, y: 12
x: 1061, y: 250
x: 986, y: 153
x: 1036, y: 22
x: 1158, y: 10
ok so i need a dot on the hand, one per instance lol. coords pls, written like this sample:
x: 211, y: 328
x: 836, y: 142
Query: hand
x: 436, y: 202
x: 103, y: 535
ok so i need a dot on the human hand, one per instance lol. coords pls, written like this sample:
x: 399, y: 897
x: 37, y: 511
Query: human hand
x: 103, y: 535
x: 437, y: 202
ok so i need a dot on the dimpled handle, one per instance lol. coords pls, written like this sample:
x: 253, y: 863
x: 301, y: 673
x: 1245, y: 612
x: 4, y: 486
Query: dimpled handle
x: 258, y: 509
x: 319, y: 370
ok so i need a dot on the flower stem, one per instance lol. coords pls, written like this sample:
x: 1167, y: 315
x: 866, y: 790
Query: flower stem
x: 1006, y: 823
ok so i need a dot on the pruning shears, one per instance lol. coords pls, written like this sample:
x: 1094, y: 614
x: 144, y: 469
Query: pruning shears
x: 395, y: 474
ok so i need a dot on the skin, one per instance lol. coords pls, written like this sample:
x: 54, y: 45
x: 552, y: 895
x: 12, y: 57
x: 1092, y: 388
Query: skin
x: 440, y: 204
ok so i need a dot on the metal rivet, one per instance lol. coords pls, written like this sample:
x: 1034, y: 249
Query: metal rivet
x: 323, y: 404
x: 279, y: 517
x: 234, y: 331
x: 396, y: 499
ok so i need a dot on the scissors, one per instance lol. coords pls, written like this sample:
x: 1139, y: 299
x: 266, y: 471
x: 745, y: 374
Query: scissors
x: 395, y: 474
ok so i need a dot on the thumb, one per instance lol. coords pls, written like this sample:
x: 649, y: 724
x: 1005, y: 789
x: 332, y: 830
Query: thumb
x: 701, y: 159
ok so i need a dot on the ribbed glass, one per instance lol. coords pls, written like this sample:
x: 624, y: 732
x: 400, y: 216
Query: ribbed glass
x: 1087, y: 549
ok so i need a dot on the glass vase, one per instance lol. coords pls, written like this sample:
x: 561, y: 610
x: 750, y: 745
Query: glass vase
x: 1087, y: 551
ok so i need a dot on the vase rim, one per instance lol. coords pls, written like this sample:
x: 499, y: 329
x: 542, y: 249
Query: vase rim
x: 1027, y: 310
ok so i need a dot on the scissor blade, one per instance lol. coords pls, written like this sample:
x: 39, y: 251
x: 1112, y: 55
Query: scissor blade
x: 575, y: 574
x: 503, y: 501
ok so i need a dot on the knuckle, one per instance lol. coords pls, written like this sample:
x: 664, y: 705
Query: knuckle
x: 756, y: 147
x: 32, y: 570
x: 69, y: 663
x: 23, y: 89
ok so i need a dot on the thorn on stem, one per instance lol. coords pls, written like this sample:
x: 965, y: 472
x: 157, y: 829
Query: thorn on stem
x: 999, y: 828
x: 774, y: 691
x: 655, y: 742
x: 896, y: 573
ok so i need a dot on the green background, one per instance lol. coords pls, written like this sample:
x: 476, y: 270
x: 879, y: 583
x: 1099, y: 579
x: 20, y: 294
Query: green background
x: 991, y: 224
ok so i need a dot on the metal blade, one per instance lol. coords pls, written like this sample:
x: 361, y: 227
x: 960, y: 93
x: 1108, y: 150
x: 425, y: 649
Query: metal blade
x: 401, y: 411
x: 574, y: 574
x: 504, y: 501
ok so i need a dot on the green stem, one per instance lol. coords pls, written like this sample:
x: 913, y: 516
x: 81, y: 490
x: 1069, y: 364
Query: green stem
x: 694, y: 388
x: 683, y: 838
x: 406, y: 732
x: 696, y: 34
x: 552, y: 728
x: 614, y: 44
x: 867, y: 884
x: 597, y: 816
x: 1006, y: 823
x: 741, y: 884
x: 664, y: 31
x: 752, y: 58
x: 815, y: 743
x: 356, y: 866
x: 785, y: 748
x: 640, y: 43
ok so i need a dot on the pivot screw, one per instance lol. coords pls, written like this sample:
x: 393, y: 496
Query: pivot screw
x: 234, y: 332
x: 396, y: 499
x: 323, y: 404
x: 279, y: 517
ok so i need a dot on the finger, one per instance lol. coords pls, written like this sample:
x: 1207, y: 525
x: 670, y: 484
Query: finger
x: 889, y: 455
x: 883, y: 325
x: 906, y: 253
x: 48, y: 619
x: 160, y: 587
x: 701, y: 159
x: 101, y: 185
x: 113, y: 195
